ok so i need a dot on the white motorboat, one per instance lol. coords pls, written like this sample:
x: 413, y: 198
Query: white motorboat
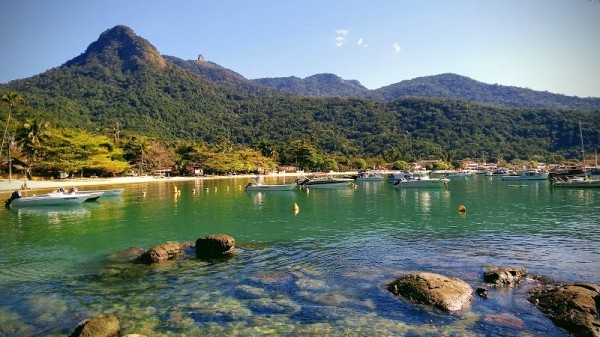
x: 260, y: 186
x: 420, y: 180
x: 325, y: 182
x: 584, y: 182
x: 106, y: 193
x: 526, y: 175
x: 50, y: 199
x: 369, y: 176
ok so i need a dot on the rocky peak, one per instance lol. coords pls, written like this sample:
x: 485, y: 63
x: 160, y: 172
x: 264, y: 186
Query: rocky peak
x: 122, y: 46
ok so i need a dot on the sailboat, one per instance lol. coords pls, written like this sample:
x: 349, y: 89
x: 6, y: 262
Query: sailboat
x: 576, y: 181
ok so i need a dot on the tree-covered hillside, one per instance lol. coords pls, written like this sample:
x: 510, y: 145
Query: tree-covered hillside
x: 121, y: 80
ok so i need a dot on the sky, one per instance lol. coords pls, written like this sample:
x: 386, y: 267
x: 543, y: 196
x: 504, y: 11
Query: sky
x: 546, y: 45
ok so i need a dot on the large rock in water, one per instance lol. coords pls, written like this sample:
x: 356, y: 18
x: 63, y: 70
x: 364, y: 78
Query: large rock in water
x: 504, y: 276
x: 215, y: 246
x: 166, y: 251
x: 101, y: 326
x: 573, y: 307
x: 446, y: 293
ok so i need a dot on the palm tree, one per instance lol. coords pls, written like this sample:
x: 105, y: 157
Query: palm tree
x: 32, y: 136
x: 12, y: 99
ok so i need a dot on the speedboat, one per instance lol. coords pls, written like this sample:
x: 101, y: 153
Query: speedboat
x: 575, y: 182
x: 50, y: 199
x: 369, y: 176
x: 420, y: 180
x: 105, y: 193
x: 325, y: 182
x: 526, y: 175
x: 257, y: 185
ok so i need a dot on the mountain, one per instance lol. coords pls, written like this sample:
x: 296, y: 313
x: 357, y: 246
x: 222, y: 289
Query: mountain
x: 217, y: 74
x: 448, y: 86
x: 121, y: 79
x: 452, y: 86
x: 320, y: 85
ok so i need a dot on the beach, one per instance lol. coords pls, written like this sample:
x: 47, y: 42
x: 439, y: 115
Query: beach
x: 7, y: 187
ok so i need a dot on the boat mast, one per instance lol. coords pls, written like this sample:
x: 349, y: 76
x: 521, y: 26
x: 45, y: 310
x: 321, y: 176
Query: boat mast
x: 582, y: 148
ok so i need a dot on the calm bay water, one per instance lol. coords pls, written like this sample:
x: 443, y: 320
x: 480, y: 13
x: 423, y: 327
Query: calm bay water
x: 320, y: 271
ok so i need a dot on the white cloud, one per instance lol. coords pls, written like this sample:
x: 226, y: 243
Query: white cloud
x: 340, y: 40
x: 361, y: 42
x: 396, y: 47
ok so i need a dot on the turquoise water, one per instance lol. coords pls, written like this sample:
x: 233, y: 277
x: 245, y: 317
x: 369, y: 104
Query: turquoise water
x: 320, y: 271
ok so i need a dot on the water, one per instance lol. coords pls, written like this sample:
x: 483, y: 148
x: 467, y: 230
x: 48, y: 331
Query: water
x: 321, y: 271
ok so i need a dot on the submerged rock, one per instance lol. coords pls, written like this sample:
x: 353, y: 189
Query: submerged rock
x: 446, y: 293
x: 101, y: 326
x: 215, y: 246
x: 574, y: 307
x: 163, y: 252
x: 504, y: 276
x: 126, y: 255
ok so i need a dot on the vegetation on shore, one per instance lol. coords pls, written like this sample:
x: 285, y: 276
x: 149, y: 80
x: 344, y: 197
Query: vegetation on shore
x: 121, y: 106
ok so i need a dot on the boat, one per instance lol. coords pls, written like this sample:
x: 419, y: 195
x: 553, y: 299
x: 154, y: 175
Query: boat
x: 460, y: 175
x: 395, y: 177
x: 420, y: 180
x: 325, y: 182
x: 526, y: 175
x: 583, y: 182
x: 106, y: 193
x: 259, y: 185
x: 369, y: 176
x: 49, y: 199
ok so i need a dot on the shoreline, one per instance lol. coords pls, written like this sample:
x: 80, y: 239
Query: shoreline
x: 34, y: 185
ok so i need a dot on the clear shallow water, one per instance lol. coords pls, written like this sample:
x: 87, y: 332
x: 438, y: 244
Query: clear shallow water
x: 320, y: 271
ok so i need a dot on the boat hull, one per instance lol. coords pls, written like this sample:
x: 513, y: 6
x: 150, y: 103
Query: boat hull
x: 430, y: 183
x: 50, y: 200
x: 287, y: 187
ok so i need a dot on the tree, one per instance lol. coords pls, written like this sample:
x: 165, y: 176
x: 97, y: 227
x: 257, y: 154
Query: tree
x: 11, y: 98
x: 31, y: 136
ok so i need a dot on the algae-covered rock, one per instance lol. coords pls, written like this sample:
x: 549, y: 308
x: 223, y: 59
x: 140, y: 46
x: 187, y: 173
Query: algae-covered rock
x: 101, y: 326
x: 446, y: 293
x: 504, y: 276
x: 215, y: 246
x: 574, y: 307
x: 163, y: 252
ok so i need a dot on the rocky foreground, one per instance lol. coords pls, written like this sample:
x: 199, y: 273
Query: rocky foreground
x: 573, y: 307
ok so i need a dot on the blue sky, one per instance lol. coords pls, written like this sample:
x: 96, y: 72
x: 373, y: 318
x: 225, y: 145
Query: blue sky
x: 551, y: 45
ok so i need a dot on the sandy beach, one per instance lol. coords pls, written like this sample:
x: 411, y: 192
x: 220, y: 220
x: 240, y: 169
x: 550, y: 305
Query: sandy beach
x: 7, y: 187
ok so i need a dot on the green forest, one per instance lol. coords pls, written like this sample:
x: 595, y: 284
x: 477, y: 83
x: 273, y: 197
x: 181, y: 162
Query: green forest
x: 122, y: 107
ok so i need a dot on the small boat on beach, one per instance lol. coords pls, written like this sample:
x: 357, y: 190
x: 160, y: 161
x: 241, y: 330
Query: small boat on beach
x: 325, y: 182
x: 49, y: 199
x: 259, y: 185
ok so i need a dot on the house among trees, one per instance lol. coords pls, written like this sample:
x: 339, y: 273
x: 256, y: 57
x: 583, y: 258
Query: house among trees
x: 193, y: 169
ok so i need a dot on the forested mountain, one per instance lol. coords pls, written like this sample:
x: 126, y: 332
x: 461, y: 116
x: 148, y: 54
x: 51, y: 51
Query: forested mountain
x: 122, y: 80
x: 460, y: 87
x: 450, y: 86
x: 320, y: 85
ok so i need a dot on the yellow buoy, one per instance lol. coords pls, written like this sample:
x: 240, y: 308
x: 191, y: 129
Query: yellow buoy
x: 462, y: 209
x: 295, y: 207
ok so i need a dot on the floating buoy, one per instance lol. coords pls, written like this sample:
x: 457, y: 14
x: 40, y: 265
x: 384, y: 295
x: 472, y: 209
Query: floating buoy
x: 193, y: 191
x: 215, y: 188
x: 144, y: 194
x: 295, y: 207
x: 462, y: 209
